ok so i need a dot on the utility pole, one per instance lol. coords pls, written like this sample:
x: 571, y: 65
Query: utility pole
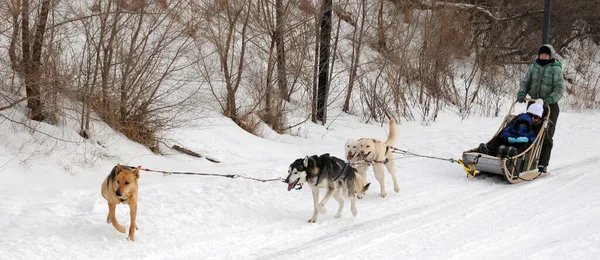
x: 546, y: 26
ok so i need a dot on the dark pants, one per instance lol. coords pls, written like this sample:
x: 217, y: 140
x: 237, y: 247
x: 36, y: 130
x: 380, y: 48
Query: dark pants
x: 548, y: 142
x: 497, y: 141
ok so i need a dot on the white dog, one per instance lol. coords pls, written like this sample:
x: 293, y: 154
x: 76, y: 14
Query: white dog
x: 365, y: 152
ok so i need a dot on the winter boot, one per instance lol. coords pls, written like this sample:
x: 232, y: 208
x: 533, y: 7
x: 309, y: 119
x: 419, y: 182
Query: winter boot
x: 542, y: 169
x: 483, y: 148
x: 512, y: 151
x: 502, y: 150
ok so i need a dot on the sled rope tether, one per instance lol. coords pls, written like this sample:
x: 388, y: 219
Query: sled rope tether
x: 232, y: 176
x: 469, y: 168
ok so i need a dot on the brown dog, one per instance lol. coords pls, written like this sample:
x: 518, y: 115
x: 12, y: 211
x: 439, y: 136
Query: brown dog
x: 121, y: 186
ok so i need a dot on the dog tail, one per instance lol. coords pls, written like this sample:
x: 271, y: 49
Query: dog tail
x: 393, y: 135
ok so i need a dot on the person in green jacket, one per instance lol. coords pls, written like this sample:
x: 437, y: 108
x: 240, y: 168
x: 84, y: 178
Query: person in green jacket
x: 544, y: 79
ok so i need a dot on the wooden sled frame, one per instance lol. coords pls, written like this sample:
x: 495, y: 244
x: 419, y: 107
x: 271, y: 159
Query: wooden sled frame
x: 518, y: 168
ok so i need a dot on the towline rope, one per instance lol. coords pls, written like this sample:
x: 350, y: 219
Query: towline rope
x: 231, y: 176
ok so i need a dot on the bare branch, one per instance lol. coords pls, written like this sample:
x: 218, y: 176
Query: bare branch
x: 428, y: 5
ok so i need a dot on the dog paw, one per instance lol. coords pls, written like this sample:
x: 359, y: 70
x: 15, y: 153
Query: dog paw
x: 322, y: 209
x: 131, y: 233
x: 384, y: 194
x: 312, y: 220
x: 339, y: 215
x: 120, y: 228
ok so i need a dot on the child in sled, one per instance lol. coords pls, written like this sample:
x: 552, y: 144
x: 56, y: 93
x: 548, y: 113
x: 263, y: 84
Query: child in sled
x: 517, y: 135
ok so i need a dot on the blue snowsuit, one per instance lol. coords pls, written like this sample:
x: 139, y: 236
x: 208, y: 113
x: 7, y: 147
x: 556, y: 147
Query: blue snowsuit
x: 514, y: 130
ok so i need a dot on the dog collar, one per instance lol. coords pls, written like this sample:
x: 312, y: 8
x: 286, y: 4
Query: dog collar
x: 384, y: 161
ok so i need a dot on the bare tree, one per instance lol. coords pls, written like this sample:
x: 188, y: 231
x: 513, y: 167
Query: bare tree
x: 130, y: 67
x: 97, y: 61
x: 407, y: 58
x: 29, y: 64
x: 230, y: 44
x: 357, y: 39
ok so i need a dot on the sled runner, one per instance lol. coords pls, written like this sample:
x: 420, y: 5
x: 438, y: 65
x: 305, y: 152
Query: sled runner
x: 515, y: 169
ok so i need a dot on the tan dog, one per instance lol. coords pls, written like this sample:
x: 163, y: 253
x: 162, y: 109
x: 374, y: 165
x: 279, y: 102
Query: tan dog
x: 121, y: 186
x: 365, y: 152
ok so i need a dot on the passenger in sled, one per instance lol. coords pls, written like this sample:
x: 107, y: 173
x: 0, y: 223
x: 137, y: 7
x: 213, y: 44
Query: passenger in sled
x: 518, y: 134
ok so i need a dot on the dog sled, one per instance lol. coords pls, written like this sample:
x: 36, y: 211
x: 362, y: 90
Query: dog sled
x: 515, y: 169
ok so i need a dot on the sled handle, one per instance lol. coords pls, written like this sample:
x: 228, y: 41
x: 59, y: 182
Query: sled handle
x: 546, y: 108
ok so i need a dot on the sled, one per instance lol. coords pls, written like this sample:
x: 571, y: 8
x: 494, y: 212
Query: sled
x: 515, y: 169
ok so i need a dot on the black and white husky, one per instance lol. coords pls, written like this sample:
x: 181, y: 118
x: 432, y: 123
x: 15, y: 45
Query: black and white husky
x: 328, y: 172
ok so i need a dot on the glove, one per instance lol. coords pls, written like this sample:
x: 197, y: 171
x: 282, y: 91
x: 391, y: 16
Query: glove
x: 546, y: 103
x: 522, y: 139
x: 512, y: 140
x: 521, y: 99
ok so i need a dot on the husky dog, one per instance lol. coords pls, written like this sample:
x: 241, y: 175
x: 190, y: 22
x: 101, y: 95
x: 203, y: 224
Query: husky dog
x: 365, y: 152
x: 326, y: 172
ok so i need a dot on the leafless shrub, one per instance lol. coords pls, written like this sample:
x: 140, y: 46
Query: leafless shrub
x: 129, y: 61
x: 127, y: 71
x: 583, y: 76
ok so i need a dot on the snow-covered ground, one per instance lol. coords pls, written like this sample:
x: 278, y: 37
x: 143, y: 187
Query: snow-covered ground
x: 51, y: 207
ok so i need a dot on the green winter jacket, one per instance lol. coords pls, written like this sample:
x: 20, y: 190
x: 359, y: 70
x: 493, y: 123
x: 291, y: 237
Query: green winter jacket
x: 545, y: 82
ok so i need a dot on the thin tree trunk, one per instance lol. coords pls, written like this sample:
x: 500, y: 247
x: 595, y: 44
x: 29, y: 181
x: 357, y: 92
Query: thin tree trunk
x: 324, y: 49
x: 316, y: 71
x: 382, y: 44
x: 32, y: 57
x: 269, y: 115
x: 12, y: 53
x: 230, y: 98
x: 123, y: 113
x: 241, y: 60
x: 26, y: 52
x: 356, y: 46
x: 107, y: 56
x: 332, y: 56
x: 104, y: 60
x: 279, y: 38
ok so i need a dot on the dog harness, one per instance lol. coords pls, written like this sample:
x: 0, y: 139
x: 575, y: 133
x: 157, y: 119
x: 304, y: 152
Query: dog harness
x: 342, y: 172
x: 318, y: 178
x: 387, y: 148
x: 337, y: 177
x: 384, y: 161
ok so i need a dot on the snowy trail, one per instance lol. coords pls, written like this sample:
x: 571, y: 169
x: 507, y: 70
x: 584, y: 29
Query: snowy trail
x: 55, y: 211
x: 440, y: 215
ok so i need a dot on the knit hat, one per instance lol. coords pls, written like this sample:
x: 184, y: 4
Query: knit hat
x: 536, y: 108
x: 545, y: 49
